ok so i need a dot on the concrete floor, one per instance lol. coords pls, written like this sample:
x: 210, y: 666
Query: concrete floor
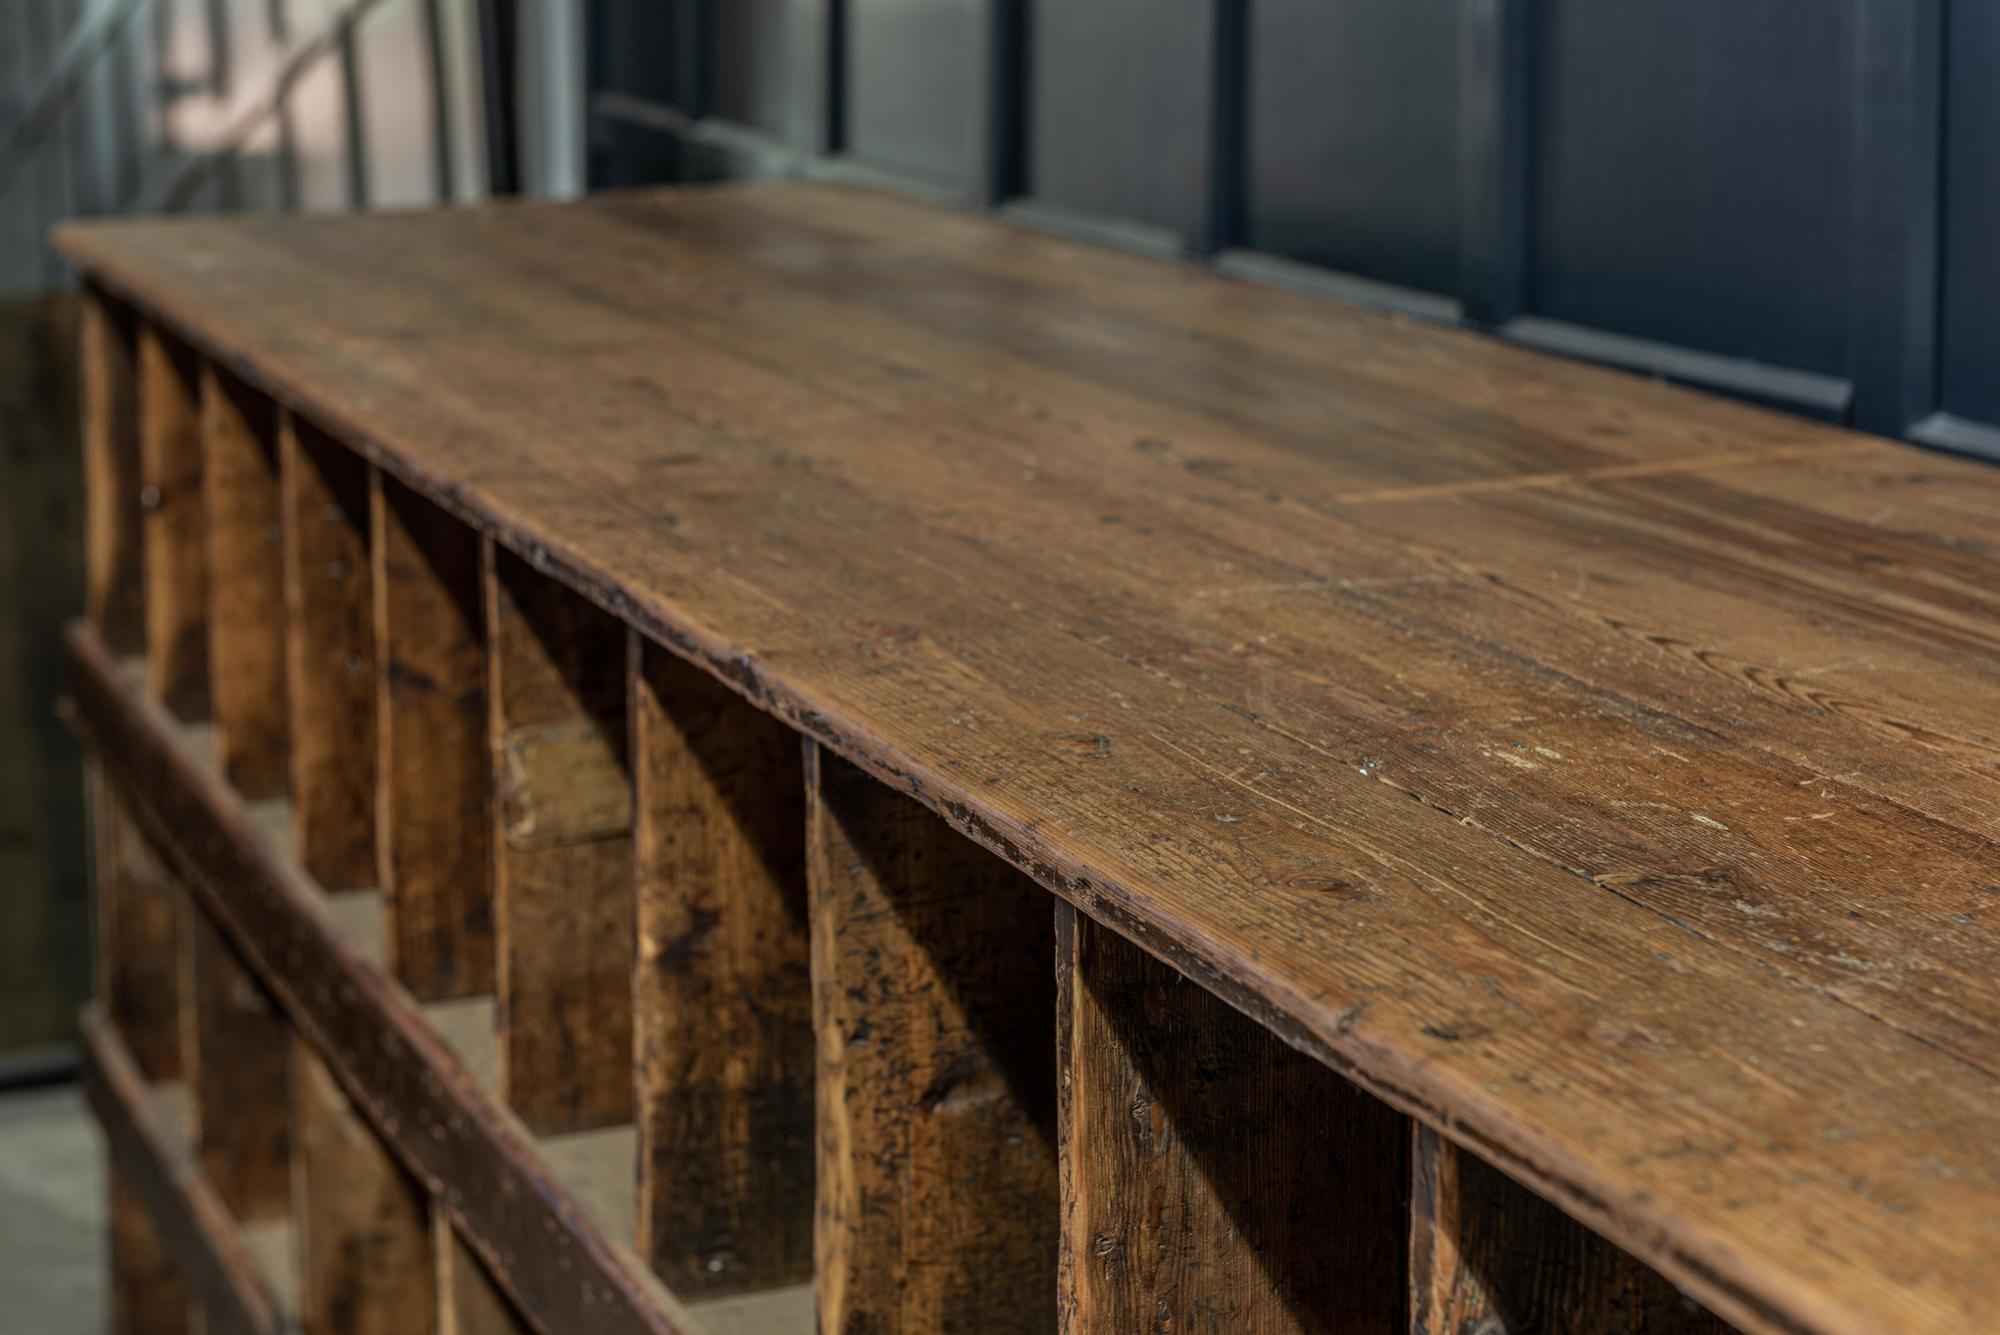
x: 52, y: 1266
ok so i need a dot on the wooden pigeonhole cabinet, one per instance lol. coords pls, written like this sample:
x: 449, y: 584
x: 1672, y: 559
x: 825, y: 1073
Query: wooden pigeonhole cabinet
x: 739, y: 758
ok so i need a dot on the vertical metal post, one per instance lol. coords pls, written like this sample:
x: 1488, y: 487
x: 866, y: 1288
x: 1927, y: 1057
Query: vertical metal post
x: 1494, y: 75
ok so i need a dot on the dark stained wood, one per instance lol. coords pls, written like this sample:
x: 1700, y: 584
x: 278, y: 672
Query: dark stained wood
x: 562, y: 851
x: 482, y: 1168
x: 246, y: 584
x: 329, y: 656
x: 1212, y: 1178
x: 430, y: 700
x: 147, y: 1295
x: 235, y: 1049
x: 722, y: 995
x: 364, y: 1247
x: 1593, y: 770
x: 175, y: 561
x: 933, y: 996
x: 164, y: 1209
x: 469, y: 1303
x: 138, y: 981
x: 113, y: 556
x: 1489, y: 1256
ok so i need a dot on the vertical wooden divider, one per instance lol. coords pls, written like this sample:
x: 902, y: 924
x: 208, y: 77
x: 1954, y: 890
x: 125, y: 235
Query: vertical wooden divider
x: 246, y: 610
x: 561, y: 829
x: 1491, y: 1256
x: 932, y: 997
x: 364, y: 1244
x: 1212, y: 1178
x: 147, y: 1295
x: 469, y: 1303
x: 137, y: 933
x: 175, y: 561
x: 329, y: 656
x: 236, y: 1054
x: 113, y: 562
x: 430, y: 689
x: 722, y: 992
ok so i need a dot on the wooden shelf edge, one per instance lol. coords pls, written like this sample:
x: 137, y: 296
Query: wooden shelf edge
x: 204, y: 1239
x: 476, y: 1160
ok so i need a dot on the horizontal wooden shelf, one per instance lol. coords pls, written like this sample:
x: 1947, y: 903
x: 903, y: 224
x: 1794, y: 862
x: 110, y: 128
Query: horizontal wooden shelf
x: 551, y: 1215
x: 240, y: 1275
x: 1599, y: 774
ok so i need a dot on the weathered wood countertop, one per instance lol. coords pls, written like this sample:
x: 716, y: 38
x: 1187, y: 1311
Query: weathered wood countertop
x: 1604, y: 773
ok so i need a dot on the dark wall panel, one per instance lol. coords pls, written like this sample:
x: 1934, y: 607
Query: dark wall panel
x: 1118, y: 108
x: 1971, y: 289
x: 1692, y: 173
x: 913, y: 81
x: 634, y: 49
x: 1352, y: 156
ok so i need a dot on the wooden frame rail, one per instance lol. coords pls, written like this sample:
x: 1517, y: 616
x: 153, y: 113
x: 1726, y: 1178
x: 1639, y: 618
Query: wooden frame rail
x: 527, y: 959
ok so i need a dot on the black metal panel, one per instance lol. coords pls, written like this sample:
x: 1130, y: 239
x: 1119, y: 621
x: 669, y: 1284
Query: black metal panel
x: 1971, y: 291
x: 635, y: 49
x: 916, y: 83
x: 1352, y: 158
x: 1118, y: 108
x: 766, y: 58
x: 1691, y: 178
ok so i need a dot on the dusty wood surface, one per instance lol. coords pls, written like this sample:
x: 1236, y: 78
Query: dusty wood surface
x: 161, y: 1203
x: 147, y: 1294
x: 329, y: 657
x: 235, y: 1051
x: 479, y: 1162
x: 722, y: 999
x: 245, y: 564
x: 138, y: 930
x: 1491, y: 1257
x: 562, y: 871
x: 1601, y: 772
x: 175, y: 558
x: 108, y: 375
x: 364, y: 1224
x: 933, y: 1001
x: 1212, y: 1178
x: 430, y: 637
x: 469, y: 1303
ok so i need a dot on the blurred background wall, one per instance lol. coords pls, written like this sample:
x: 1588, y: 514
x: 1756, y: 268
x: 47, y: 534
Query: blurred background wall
x: 1793, y: 201
x: 158, y: 106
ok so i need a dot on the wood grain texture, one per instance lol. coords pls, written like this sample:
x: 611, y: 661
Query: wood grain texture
x: 469, y: 1303
x: 236, y: 1052
x: 176, y: 1250
x: 563, y: 899
x: 430, y: 704
x: 1212, y: 1178
x: 933, y: 998
x: 246, y: 584
x: 175, y: 563
x: 1244, y: 621
x: 329, y: 657
x: 147, y: 1295
x: 138, y: 924
x: 309, y: 951
x: 365, y: 1247
x: 1489, y: 1256
x: 722, y: 995
x: 113, y: 550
